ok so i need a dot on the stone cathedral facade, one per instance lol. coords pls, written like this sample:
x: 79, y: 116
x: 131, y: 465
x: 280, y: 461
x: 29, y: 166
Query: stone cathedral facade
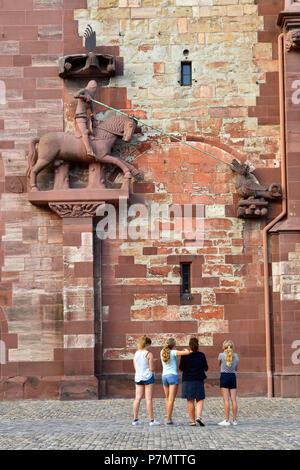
x: 211, y: 81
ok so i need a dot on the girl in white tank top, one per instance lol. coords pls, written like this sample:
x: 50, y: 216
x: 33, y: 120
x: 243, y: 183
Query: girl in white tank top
x: 142, y: 368
x: 144, y: 379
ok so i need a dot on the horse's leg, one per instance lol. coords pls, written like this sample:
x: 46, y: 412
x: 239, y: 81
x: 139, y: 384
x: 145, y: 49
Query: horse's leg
x: 46, y: 154
x: 39, y: 166
x: 115, y: 161
x: 134, y: 171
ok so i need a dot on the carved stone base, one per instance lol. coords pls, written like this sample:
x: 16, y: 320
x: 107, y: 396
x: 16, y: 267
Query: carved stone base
x: 96, y: 176
x: 75, y: 209
x: 252, y: 208
x: 82, y: 195
x: 61, y: 175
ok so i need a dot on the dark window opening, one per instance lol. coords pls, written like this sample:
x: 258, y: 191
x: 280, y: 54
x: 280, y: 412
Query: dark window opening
x: 186, y: 73
x: 186, y: 278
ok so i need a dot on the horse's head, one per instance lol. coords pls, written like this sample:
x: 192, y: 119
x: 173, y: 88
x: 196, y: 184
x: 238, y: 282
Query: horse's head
x: 121, y: 126
x: 129, y: 128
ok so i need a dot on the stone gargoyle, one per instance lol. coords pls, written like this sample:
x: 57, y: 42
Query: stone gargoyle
x: 254, y: 197
x: 292, y: 40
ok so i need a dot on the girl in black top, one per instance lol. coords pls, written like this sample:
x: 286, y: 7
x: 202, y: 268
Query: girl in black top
x: 193, y: 367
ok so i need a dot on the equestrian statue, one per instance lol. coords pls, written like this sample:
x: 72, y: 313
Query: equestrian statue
x: 92, y: 141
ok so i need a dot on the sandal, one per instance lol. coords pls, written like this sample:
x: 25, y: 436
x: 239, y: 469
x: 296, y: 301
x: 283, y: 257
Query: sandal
x: 200, y: 422
x: 192, y: 424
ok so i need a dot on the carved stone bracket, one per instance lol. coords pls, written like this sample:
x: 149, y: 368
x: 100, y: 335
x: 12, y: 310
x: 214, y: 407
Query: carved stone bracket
x: 252, y: 208
x: 75, y: 209
x: 254, y: 197
x: 292, y: 40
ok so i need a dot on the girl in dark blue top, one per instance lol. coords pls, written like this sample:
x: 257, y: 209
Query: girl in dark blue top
x: 194, y: 367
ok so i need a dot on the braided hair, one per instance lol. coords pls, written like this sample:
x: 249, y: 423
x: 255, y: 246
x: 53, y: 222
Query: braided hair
x: 229, y: 354
x: 166, y: 350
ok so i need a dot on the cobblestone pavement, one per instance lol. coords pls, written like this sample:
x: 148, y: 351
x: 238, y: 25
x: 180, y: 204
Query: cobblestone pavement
x: 106, y: 425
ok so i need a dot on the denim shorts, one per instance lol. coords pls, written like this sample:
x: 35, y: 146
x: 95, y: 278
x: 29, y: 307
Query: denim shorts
x: 146, y: 382
x: 169, y: 379
x: 193, y: 390
x: 227, y: 380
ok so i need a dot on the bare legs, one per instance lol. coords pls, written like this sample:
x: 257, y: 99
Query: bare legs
x: 229, y: 394
x: 139, y: 393
x: 170, y: 394
x: 199, y: 408
x: 191, y: 409
x: 148, y: 397
x: 234, y: 403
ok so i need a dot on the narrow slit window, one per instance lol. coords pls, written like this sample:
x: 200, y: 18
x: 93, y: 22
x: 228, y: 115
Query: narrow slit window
x: 186, y: 73
x: 186, y: 278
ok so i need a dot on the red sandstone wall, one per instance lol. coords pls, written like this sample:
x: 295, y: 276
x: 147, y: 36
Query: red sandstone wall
x: 141, y: 281
x: 34, y: 34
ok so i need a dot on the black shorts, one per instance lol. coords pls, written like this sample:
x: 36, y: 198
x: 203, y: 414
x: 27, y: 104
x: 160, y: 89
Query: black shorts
x: 227, y: 380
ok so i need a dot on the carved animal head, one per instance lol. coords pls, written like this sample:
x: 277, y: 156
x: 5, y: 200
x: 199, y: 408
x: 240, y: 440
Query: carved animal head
x: 129, y: 129
x: 122, y: 126
x: 240, y: 168
x: 293, y: 39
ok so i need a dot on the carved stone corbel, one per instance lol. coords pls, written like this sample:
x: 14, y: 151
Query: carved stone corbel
x: 254, y: 197
x: 75, y: 209
x: 292, y: 40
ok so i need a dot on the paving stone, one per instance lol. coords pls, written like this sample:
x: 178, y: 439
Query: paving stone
x: 106, y: 425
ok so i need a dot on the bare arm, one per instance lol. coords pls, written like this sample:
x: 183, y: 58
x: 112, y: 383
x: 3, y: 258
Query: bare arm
x: 184, y: 352
x: 151, y: 361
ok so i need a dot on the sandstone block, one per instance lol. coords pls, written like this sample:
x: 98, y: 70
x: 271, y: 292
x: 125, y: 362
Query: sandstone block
x: 182, y: 25
x: 79, y: 388
x: 9, y: 47
x: 79, y: 341
x: 147, y: 12
x: 189, y: 3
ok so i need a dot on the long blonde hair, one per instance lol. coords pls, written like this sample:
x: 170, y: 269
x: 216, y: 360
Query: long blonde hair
x: 228, y: 350
x: 143, y: 342
x: 166, y: 350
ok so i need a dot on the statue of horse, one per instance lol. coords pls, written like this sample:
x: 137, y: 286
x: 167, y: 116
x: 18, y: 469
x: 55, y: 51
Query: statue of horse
x: 68, y: 147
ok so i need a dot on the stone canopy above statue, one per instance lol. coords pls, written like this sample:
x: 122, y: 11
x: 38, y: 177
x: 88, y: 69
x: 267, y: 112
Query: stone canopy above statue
x: 91, y: 65
x: 87, y: 65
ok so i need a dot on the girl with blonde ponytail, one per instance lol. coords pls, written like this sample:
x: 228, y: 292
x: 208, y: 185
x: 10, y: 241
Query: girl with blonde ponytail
x: 170, y: 378
x: 228, y: 361
x: 143, y: 363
